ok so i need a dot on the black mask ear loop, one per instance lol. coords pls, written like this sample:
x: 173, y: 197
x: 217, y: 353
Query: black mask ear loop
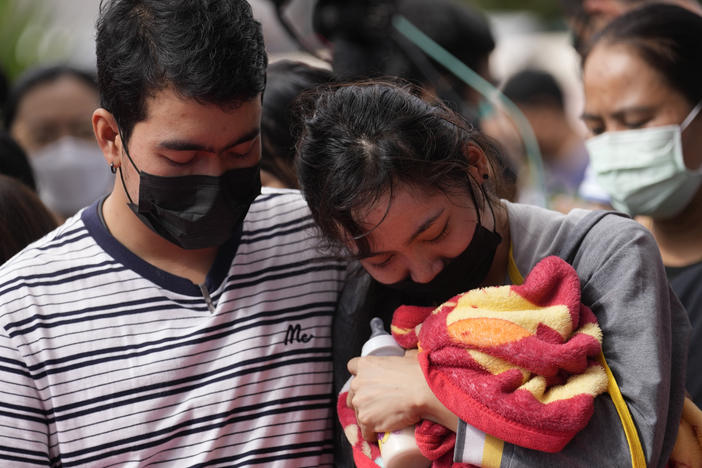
x: 121, y: 176
x: 487, y: 201
x: 492, y: 210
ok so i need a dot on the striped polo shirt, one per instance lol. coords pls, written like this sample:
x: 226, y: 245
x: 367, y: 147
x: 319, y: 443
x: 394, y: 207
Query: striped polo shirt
x: 108, y: 361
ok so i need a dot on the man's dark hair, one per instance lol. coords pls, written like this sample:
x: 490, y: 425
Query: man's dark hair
x: 38, y: 76
x: 534, y: 87
x: 211, y: 51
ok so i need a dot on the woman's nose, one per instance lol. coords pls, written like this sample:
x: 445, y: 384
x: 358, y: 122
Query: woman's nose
x: 423, y: 271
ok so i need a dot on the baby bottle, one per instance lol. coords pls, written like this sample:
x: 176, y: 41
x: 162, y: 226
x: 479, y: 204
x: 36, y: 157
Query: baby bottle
x: 397, y: 448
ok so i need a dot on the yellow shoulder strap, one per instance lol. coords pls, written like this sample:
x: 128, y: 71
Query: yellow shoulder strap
x: 632, y: 437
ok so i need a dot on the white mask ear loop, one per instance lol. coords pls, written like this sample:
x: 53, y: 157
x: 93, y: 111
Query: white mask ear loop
x: 691, y: 116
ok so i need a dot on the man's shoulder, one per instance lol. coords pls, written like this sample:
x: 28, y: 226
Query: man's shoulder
x: 279, y: 199
x: 277, y: 207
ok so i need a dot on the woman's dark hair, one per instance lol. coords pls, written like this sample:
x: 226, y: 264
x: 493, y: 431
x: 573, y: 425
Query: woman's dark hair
x: 14, y: 162
x: 208, y: 50
x: 286, y: 81
x: 39, y: 76
x: 667, y: 37
x: 23, y: 217
x: 360, y: 140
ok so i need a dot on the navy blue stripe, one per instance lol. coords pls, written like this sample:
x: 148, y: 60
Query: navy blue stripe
x: 70, y: 232
x: 26, y: 409
x: 272, y: 235
x: 229, y: 328
x: 55, y: 273
x: 83, y: 310
x: 279, y: 448
x: 267, y: 196
x: 132, y: 444
x: 90, y: 318
x: 12, y: 370
x: 25, y: 417
x: 292, y: 274
x: 54, y: 245
x: 160, y: 388
x: 13, y: 362
x: 256, y: 273
x: 17, y: 450
x: 306, y: 220
x: 63, y: 281
x: 24, y: 460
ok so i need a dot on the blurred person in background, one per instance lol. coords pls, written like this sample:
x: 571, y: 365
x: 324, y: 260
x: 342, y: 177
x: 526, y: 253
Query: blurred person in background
x: 285, y: 80
x: 48, y: 113
x: 643, y: 93
x: 4, y: 90
x: 14, y: 162
x: 587, y: 17
x: 23, y: 217
x: 540, y: 98
x: 364, y: 45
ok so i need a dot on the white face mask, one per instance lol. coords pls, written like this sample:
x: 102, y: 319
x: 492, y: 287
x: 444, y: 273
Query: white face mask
x: 70, y: 173
x: 643, y: 170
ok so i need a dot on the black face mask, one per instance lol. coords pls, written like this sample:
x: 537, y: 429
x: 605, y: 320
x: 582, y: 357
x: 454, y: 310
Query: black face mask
x: 195, y: 211
x: 464, y: 272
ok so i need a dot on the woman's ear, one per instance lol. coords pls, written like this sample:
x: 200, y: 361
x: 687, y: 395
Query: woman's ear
x: 106, y: 133
x: 479, y: 166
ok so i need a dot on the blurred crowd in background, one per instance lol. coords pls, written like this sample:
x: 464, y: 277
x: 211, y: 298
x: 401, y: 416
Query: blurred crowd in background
x: 520, y: 83
x: 48, y: 92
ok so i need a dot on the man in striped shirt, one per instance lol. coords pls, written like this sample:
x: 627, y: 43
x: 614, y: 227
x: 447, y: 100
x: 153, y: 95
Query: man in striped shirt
x: 185, y: 319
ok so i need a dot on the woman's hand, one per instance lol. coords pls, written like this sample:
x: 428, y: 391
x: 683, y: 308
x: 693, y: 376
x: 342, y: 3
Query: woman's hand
x: 390, y: 393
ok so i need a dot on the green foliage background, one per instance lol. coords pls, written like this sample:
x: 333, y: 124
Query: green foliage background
x: 26, y: 36
x: 549, y: 11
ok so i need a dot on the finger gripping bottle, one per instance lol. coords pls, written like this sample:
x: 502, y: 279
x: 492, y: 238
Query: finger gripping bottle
x: 398, y: 448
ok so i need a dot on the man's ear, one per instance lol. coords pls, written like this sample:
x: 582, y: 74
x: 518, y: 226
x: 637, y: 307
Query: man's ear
x: 107, y: 133
x: 479, y: 166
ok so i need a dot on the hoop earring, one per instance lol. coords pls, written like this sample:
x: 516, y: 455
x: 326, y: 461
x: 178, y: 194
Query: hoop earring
x: 113, y: 169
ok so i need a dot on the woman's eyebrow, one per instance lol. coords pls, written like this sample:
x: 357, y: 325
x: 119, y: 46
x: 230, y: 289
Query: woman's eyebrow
x: 425, y: 225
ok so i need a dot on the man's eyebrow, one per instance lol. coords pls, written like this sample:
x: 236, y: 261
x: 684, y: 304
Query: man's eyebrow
x: 420, y: 229
x: 184, y: 145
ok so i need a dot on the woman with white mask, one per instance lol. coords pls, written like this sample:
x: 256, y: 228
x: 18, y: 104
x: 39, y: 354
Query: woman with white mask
x: 48, y: 113
x: 643, y: 91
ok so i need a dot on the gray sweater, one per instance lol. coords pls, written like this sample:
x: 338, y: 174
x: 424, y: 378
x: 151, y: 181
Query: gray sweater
x: 645, y: 332
x: 644, y: 326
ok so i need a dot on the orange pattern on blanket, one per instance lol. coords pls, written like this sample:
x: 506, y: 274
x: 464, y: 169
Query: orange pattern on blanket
x: 487, y: 331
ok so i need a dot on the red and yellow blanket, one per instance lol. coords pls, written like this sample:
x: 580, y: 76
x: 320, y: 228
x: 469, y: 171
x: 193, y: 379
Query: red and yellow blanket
x: 517, y: 362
